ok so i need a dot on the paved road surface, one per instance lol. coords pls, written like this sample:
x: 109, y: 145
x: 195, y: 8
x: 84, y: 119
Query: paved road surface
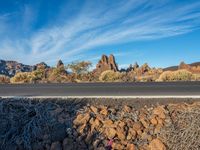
x: 103, y: 89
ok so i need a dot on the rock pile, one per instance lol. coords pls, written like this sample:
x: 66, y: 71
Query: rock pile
x: 126, y: 127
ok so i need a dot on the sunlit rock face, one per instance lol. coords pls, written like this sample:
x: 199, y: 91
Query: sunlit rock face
x: 106, y: 63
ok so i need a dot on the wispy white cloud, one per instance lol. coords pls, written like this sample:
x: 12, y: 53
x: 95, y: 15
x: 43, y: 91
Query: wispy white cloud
x: 109, y: 23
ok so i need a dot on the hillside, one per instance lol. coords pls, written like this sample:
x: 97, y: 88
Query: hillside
x: 106, y: 70
x: 173, y: 68
x: 10, y: 68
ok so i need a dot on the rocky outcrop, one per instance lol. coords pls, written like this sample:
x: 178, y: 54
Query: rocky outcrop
x: 106, y: 63
x: 184, y: 66
x: 59, y: 64
x: 10, y: 68
x: 132, y: 67
x: 41, y: 65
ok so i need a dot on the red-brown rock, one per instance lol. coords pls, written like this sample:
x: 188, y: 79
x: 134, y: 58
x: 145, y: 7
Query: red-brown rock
x: 106, y: 63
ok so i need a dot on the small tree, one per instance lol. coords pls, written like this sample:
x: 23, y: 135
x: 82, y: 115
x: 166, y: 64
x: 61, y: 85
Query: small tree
x: 79, y: 67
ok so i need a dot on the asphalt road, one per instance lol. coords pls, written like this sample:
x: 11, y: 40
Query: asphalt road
x: 103, y: 89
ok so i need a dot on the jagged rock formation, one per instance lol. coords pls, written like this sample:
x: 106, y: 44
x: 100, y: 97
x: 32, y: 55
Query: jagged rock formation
x: 10, y: 68
x: 132, y: 67
x: 59, y: 64
x: 41, y: 65
x: 106, y: 63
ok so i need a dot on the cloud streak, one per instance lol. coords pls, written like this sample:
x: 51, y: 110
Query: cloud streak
x: 92, y: 26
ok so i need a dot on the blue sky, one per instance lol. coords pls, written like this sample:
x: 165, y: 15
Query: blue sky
x: 159, y: 32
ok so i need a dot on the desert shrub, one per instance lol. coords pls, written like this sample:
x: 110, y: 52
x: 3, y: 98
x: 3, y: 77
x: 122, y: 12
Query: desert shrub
x: 166, y: 76
x: 57, y: 75
x: 28, y: 77
x: 147, y: 78
x: 21, y: 77
x: 196, y: 77
x: 179, y: 75
x: 37, y: 75
x: 86, y: 77
x: 4, y: 79
x: 182, y: 75
x: 110, y: 76
x: 128, y: 76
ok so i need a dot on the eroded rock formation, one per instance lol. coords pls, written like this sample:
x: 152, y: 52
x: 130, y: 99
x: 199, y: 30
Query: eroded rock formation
x: 41, y: 65
x: 59, y: 64
x: 106, y: 63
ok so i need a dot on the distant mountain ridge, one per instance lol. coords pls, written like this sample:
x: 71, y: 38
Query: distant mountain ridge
x: 10, y: 68
x: 174, y: 68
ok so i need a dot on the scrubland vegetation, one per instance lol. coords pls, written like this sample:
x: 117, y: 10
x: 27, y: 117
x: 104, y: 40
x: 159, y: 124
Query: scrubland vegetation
x: 106, y: 71
x: 37, y: 124
x: 179, y: 75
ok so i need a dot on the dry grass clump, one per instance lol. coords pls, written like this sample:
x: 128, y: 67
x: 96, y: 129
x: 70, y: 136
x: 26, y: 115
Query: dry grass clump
x: 179, y: 75
x: 183, y: 132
